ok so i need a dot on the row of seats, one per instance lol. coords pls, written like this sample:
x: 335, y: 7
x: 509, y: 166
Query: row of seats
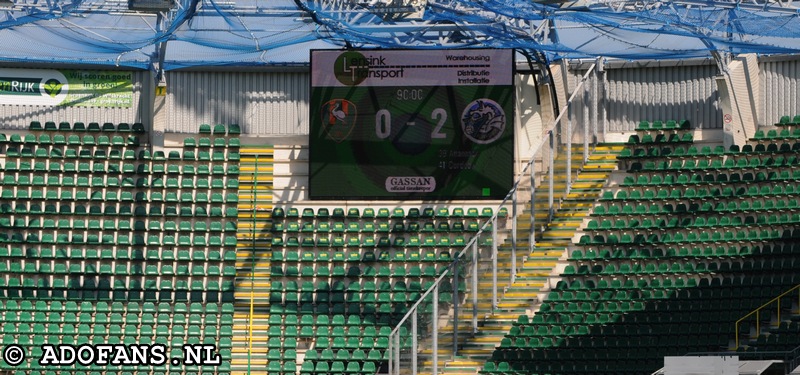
x: 103, y: 167
x: 367, y: 256
x: 79, y: 223
x: 110, y: 330
x: 648, y: 229
x: 279, y: 213
x: 63, y: 126
x: 121, y: 209
x: 678, y: 235
x: 152, y: 295
x: 773, y: 134
x: 739, y: 206
x: 672, y: 178
x: 754, y: 191
x: 367, y: 323
x: 63, y: 322
x: 325, y: 271
x: 154, y: 183
x: 45, y: 142
x: 588, y: 301
x: 753, y: 162
x: 397, y: 298
x: 696, y: 252
x: 289, y: 330
x: 119, y: 254
x: 718, y: 282
x: 787, y: 120
x: 648, y: 139
x: 382, y: 226
x: 36, y: 126
x: 369, y: 311
x: 701, y: 152
x: 100, y: 168
x: 690, y: 223
x: 590, y: 365
x: 367, y: 241
x: 101, y: 153
x: 205, y: 142
x: 119, y: 269
x: 222, y: 369
x: 103, y: 307
x: 59, y: 237
x: 330, y: 355
x: 336, y: 367
x: 116, y: 195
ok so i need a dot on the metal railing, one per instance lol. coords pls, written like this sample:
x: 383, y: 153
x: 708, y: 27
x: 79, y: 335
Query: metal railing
x: 449, y: 311
x: 757, y: 312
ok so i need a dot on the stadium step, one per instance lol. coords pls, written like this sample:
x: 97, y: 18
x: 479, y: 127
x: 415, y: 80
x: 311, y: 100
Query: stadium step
x: 252, y: 284
x: 522, y: 295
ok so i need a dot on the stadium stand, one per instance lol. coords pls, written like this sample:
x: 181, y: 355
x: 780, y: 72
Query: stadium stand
x: 694, y: 239
x: 105, y: 242
x: 341, y: 279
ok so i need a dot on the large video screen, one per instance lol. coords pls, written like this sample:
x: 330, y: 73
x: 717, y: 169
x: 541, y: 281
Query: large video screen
x: 411, y: 124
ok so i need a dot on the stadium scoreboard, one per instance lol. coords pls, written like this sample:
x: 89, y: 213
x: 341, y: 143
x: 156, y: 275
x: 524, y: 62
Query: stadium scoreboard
x: 411, y: 124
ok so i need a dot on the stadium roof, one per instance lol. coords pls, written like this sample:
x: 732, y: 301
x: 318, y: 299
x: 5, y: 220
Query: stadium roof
x: 281, y: 32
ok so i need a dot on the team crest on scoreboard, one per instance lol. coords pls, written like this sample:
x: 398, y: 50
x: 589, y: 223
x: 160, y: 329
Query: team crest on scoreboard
x: 483, y: 121
x: 339, y: 118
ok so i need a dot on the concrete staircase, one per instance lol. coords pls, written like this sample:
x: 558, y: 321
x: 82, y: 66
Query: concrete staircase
x: 251, y: 315
x: 537, y: 265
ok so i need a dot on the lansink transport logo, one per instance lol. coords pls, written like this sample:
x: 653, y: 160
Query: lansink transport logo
x: 351, y: 68
x: 483, y: 121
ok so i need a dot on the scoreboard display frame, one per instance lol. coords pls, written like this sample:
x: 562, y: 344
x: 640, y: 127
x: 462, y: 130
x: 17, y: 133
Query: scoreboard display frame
x: 411, y: 124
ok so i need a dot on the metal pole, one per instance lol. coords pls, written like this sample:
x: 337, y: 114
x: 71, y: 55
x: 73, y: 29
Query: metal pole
x: 455, y: 308
x: 595, y: 101
x: 550, y: 173
x: 604, y: 120
x: 569, y: 149
x: 391, y: 353
x: 414, y: 347
x: 532, y: 235
x: 397, y: 350
x: 585, y: 124
x: 435, y: 330
x: 494, y: 263
x: 513, y: 238
x: 475, y: 286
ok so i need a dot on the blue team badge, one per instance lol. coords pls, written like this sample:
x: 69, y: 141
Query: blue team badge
x: 483, y: 121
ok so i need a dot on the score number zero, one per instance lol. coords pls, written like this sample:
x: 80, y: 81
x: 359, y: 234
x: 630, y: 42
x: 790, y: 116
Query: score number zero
x: 383, y: 118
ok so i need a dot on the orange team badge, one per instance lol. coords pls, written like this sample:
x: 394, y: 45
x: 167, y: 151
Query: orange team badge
x: 338, y: 118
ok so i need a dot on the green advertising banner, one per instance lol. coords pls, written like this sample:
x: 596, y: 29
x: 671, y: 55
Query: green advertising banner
x: 77, y: 88
x: 411, y: 124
